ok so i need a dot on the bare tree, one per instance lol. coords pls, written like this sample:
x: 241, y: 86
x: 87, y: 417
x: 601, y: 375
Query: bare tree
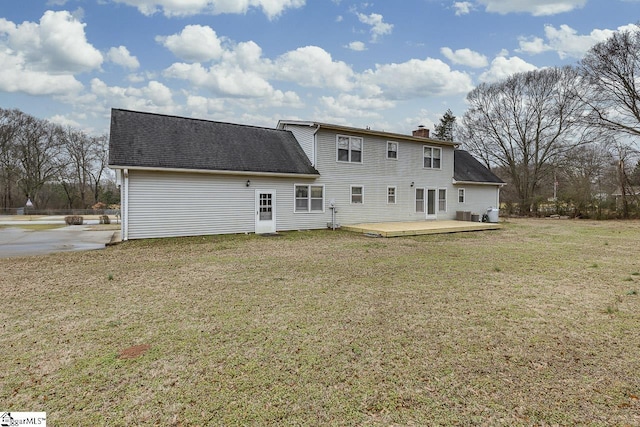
x: 99, y: 163
x: 37, y: 147
x: 9, y: 128
x: 611, y: 73
x: 583, y: 174
x: 523, y: 124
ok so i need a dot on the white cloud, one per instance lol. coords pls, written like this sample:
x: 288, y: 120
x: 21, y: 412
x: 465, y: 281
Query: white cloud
x: 62, y: 120
x: 565, y: 41
x: 295, y: 66
x: 503, y: 67
x: 378, y: 27
x: 462, y: 7
x: 416, y: 78
x: 346, y: 105
x: 534, y: 7
x: 17, y: 76
x: 154, y: 97
x: 204, y: 107
x: 357, y: 46
x: 222, y: 79
x: 195, y: 43
x: 57, y: 43
x: 170, y: 8
x: 465, y: 57
x: 120, y: 55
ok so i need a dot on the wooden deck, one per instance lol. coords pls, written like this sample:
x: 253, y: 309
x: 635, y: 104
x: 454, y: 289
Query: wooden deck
x: 396, y: 229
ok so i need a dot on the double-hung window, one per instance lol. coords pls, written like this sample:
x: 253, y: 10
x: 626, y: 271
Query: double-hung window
x: 357, y: 194
x: 391, y: 195
x: 419, y: 199
x: 432, y: 157
x: 349, y: 149
x: 309, y: 198
x: 442, y: 200
x: 460, y: 195
x: 392, y: 150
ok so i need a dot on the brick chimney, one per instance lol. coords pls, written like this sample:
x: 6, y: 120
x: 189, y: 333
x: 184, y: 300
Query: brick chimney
x: 421, y: 132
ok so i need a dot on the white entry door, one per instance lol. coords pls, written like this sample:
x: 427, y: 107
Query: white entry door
x: 432, y: 200
x: 265, y: 211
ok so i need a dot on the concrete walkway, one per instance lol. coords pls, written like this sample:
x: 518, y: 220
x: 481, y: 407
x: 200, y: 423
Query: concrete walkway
x: 16, y: 241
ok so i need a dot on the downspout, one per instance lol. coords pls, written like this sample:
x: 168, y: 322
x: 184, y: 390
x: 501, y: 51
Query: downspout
x: 124, y: 214
x: 315, y: 145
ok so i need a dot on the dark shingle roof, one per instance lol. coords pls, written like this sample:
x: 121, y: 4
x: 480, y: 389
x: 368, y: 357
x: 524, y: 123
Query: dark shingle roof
x: 467, y: 169
x: 157, y: 141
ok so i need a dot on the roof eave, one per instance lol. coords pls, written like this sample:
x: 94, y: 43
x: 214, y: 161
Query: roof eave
x: 219, y: 172
x: 498, y: 184
x: 372, y: 132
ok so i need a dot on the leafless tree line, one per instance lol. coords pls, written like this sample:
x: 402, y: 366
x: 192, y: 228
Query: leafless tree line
x: 567, y: 135
x: 54, y: 167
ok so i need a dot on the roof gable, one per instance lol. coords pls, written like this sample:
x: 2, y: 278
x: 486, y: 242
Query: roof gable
x: 467, y: 168
x: 149, y: 140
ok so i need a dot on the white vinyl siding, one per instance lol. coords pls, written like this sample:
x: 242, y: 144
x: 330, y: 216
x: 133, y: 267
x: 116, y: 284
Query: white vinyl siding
x: 305, y: 137
x: 478, y: 198
x: 166, y: 204
x: 375, y: 174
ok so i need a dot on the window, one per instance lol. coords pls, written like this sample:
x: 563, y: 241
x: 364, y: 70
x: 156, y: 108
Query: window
x: 391, y: 195
x: 460, y: 195
x: 349, y: 149
x: 419, y: 199
x: 442, y: 200
x: 392, y: 150
x: 357, y: 194
x: 309, y: 198
x: 432, y: 156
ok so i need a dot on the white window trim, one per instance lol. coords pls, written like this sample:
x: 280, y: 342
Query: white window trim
x: 361, y: 149
x: 424, y: 147
x: 446, y: 204
x: 395, y: 194
x: 309, y: 211
x: 397, y: 149
x: 424, y: 201
x: 464, y: 196
x: 351, y: 194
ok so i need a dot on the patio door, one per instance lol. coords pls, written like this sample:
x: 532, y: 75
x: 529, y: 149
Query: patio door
x: 265, y: 211
x: 432, y: 203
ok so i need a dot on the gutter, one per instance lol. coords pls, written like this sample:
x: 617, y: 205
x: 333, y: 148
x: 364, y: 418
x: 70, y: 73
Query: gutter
x: 498, y: 184
x: 217, y: 172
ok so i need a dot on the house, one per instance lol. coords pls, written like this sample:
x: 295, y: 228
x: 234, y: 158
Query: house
x: 183, y: 177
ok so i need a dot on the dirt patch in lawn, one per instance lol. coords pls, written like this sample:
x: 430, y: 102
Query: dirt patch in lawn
x: 134, y: 351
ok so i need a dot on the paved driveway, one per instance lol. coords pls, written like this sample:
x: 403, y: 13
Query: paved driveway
x: 15, y: 241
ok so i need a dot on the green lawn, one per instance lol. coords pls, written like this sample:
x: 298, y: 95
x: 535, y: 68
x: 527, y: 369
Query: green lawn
x: 535, y: 324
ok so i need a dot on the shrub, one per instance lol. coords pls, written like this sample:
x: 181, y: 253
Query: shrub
x: 73, y: 220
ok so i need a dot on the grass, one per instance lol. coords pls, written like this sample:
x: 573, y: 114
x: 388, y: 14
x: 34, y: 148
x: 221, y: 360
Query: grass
x: 505, y: 327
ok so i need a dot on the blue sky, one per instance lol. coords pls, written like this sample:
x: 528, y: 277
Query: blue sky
x: 388, y: 65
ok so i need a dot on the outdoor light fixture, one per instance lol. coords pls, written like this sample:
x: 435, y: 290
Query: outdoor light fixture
x: 248, y: 182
